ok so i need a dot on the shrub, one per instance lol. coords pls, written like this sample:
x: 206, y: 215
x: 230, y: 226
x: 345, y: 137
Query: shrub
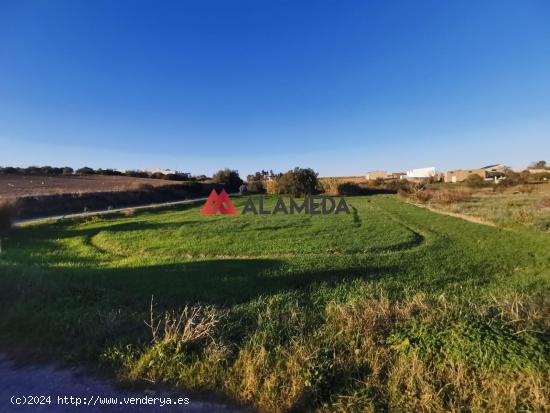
x: 475, y: 181
x: 330, y: 186
x: 349, y: 188
x: 541, y: 176
x: 272, y: 186
x: 452, y: 196
x: 379, y: 182
x: 424, y: 196
x: 403, y: 192
x: 398, y: 184
x: 256, y: 186
x: 109, y: 172
x: 229, y: 177
x: 7, y: 215
x: 85, y: 171
x: 298, y: 182
x: 512, y: 179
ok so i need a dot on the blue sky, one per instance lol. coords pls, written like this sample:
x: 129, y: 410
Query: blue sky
x: 342, y: 87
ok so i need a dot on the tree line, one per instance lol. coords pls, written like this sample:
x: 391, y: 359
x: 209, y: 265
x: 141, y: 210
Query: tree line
x: 68, y: 171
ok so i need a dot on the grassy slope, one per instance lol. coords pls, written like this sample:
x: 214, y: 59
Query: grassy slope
x: 389, y: 308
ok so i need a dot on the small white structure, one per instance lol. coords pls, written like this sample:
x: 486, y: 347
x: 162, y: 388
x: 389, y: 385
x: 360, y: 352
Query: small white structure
x: 421, y: 173
x: 162, y: 171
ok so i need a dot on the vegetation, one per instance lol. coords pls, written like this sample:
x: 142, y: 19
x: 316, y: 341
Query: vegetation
x: 539, y: 165
x: 298, y: 182
x: 67, y: 171
x: 7, y: 213
x: 390, y: 308
x: 475, y: 181
x: 228, y: 177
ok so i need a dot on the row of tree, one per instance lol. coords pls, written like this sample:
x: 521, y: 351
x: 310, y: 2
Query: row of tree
x: 66, y: 171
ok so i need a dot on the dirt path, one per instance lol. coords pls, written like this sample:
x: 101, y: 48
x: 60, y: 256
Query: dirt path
x: 19, y: 382
x: 108, y: 211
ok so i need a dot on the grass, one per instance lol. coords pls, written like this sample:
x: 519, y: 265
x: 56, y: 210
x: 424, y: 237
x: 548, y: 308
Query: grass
x: 390, y: 308
x: 524, y: 205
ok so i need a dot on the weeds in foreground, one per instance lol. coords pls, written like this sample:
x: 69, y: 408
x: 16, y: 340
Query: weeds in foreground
x: 191, y: 324
x: 364, y: 355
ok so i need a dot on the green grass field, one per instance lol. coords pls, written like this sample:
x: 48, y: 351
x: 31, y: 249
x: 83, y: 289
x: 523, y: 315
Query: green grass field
x: 389, y: 308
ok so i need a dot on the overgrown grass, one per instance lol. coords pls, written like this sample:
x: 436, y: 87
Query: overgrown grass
x: 390, y: 308
x: 524, y: 205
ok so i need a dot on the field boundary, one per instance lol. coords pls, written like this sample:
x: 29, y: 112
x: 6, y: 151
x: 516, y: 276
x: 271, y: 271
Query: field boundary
x: 469, y: 218
x: 107, y: 211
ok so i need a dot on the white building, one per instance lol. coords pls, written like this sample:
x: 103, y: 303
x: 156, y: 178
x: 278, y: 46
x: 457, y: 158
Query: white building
x: 420, y: 173
x: 162, y: 171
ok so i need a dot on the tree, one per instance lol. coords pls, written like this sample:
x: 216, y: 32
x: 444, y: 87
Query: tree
x: 298, y: 182
x: 538, y: 165
x: 85, y: 171
x: 229, y: 177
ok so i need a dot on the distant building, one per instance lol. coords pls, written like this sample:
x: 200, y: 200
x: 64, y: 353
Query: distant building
x: 397, y: 175
x: 374, y: 175
x: 489, y: 172
x: 538, y: 171
x: 421, y: 173
x: 162, y: 171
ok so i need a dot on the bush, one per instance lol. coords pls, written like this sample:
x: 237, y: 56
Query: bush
x: 379, y: 182
x: 474, y: 181
x: 424, y: 196
x: 398, y: 185
x: 7, y: 215
x: 452, y: 196
x: 256, y: 186
x: 85, y: 171
x: 541, y: 176
x: 229, y: 177
x: 109, y: 172
x: 330, y: 186
x: 298, y: 182
x: 272, y: 186
x: 349, y: 188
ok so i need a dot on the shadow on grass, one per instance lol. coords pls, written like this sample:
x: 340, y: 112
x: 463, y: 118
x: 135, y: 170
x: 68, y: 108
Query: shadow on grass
x: 217, y: 281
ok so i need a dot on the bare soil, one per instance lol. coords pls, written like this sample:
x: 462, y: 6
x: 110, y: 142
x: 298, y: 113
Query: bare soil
x: 16, y: 186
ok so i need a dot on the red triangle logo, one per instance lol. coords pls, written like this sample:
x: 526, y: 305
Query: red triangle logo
x: 218, y: 203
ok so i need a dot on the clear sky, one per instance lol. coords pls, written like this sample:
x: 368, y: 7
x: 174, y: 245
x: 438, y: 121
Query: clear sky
x: 340, y: 86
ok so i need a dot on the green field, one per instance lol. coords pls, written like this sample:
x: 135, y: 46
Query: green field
x: 389, y: 308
